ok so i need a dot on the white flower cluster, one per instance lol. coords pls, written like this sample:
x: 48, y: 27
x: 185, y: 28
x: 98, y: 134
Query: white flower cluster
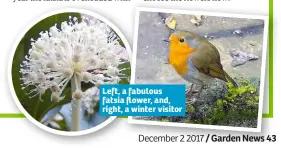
x: 86, y: 50
x: 91, y: 99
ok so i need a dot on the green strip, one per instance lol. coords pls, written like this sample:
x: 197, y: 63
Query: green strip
x: 12, y: 115
x: 122, y: 117
x: 270, y: 46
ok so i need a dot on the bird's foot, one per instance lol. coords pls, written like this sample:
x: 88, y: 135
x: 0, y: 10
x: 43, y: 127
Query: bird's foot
x: 191, y: 91
x: 194, y: 98
x: 191, y: 98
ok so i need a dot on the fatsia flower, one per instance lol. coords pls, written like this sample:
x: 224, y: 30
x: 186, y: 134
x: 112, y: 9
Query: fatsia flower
x: 86, y: 51
x: 91, y: 99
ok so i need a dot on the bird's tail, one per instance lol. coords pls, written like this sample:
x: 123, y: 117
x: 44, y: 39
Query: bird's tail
x: 228, y: 78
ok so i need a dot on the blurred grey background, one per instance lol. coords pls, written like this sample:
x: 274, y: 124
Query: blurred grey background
x: 226, y: 33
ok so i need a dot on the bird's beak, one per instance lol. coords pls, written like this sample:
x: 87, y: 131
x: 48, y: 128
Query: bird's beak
x: 166, y: 40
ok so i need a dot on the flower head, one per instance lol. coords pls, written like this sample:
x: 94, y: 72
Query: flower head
x: 87, y: 50
x: 91, y: 99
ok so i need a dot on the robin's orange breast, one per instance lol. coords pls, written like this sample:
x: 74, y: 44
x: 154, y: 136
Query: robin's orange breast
x: 178, y: 56
x: 179, y: 62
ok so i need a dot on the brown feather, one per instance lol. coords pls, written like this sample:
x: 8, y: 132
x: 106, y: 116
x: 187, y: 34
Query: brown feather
x: 206, y: 59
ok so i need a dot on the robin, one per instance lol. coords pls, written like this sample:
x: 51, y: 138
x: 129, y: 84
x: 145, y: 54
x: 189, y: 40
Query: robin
x: 195, y: 59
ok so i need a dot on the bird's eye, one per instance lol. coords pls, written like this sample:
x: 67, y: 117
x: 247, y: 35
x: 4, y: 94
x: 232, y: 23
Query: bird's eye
x: 182, y: 40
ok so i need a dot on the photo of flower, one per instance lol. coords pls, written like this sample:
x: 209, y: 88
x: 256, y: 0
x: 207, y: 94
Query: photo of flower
x: 60, y: 63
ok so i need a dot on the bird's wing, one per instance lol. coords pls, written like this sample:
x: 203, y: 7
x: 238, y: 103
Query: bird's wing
x: 206, y: 59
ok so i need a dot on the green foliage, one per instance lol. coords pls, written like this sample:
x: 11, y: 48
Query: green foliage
x: 239, y: 104
x: 165, y: 120
x: 62, y: 124
x: 126, y: 72
x: 119, y: 39
x: 230, y: 106
x: 190, y: 109
x: 36, y: 108
x: 187, y: 120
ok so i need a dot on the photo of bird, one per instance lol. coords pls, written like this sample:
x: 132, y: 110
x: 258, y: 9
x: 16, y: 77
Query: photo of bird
x: 195, y: 59
x: 219, y: 60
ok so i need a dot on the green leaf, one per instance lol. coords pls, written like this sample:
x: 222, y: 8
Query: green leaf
x: 62, y: 124
x: 126, y: 72
x: 36, y: 108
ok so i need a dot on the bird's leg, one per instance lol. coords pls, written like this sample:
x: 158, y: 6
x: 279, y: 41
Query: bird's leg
x: 189, y: 92
x: 189, y: 95
x: 199, y: 92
